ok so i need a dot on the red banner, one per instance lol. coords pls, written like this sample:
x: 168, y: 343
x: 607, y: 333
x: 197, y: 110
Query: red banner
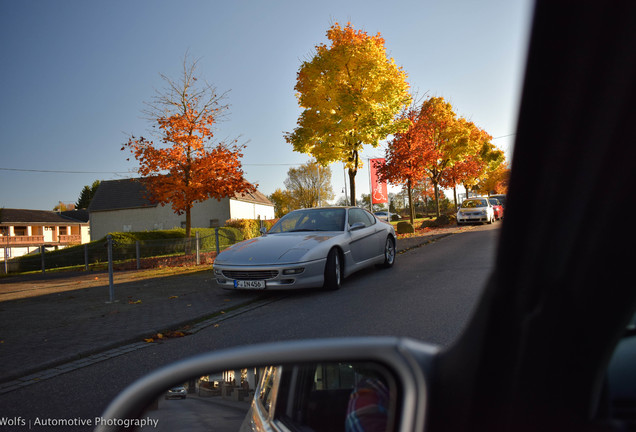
x: 379, y: 191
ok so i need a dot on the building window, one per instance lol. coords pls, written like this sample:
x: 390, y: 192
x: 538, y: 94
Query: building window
x: 214, y: 223
x: 127, y: 228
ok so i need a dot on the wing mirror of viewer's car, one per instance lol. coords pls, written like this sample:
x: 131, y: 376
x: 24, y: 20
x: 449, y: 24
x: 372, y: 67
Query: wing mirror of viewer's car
x: 347, y: 384
x: 263, y: 230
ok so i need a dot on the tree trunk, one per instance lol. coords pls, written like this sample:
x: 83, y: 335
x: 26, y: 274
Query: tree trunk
x: 411, y: 208
x: 436, y: 198
x: 352, y: 177
x: 455, y: 196
x: 352, y: 186
x: 188, y: 227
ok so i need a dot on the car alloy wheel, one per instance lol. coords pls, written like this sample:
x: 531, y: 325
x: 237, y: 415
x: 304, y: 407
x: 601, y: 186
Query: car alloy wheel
x: 389, y: 252
x: 333, y: 271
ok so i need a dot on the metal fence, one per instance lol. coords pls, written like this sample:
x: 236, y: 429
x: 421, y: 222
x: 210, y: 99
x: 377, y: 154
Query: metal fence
x: 141, y: 254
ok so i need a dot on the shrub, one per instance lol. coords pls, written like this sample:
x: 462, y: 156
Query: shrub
x: 249, y: 228
x: 428, y: 223
x: 405, y: 228
x: 441, y: 221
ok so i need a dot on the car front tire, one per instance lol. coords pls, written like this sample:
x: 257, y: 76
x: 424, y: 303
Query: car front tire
x: 389, y: 253
x: 333, y: 271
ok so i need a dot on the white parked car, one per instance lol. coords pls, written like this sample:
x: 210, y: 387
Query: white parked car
x: 476, y: 210
x: 308, y: 248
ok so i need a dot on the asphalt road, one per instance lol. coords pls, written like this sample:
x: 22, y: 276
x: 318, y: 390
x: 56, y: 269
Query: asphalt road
x: 429, y: 295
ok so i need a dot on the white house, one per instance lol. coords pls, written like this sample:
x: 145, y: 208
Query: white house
x: 123, y: 206
x: 24, y: 231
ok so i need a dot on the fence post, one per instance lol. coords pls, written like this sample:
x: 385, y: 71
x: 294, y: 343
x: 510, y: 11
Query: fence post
x: 86, y: 256
x: 216, y: 236
x: 42, y: 258
x: 111, y: 288
x: 197, y: 239
x: 138, y: 254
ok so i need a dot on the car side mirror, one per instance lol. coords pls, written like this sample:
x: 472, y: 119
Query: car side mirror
x: 263, y: 230
x: 319, y: 383
x: 356, y: 226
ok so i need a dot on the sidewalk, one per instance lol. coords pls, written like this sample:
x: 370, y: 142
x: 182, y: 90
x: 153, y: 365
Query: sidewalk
x: 45, y: 335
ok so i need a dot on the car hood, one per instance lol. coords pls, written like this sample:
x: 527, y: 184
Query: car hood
x: 275, y: 248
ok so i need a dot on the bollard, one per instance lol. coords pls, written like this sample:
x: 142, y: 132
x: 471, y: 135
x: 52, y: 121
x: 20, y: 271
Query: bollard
x: 198, y: 247
x: 216, y: 235
x: 138, y: 254
x: 111, y: 288
x: 42, y: 258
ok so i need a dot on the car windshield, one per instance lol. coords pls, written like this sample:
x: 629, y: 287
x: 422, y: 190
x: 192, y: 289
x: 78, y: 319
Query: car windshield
x: 330, y: 219
x: 474, y: 203
x: 494, y: 201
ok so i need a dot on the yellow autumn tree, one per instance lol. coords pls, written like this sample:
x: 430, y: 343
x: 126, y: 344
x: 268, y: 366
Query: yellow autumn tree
x: 479, y: 159
x: 351, y: 94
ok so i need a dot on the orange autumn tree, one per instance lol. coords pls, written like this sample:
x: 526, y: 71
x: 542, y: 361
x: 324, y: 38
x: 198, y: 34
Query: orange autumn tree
x: 449, y: 137
x: 407, y: 156
x: 184, y: 166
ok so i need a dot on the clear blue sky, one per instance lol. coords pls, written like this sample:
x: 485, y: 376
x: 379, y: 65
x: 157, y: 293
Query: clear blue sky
x: 75, y: 75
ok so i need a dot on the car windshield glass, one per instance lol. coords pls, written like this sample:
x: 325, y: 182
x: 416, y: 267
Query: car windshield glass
x: 328, y: 219
x: 474, y: 203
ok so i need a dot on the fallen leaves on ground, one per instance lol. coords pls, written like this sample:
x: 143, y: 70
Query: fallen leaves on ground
x: 166, y: 335
x: 418, y: 232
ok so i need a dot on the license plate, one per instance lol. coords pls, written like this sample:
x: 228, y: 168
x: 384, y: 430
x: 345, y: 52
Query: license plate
x: 255, y: 284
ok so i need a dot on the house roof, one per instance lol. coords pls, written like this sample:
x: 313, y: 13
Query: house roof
x: 132, y: 193
x: 80, y: 215
x: 255, y: 197
x: 17, y: 216
x: 120, y: 194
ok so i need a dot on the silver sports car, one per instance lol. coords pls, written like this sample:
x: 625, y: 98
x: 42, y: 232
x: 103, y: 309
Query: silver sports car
x: 315, y: 247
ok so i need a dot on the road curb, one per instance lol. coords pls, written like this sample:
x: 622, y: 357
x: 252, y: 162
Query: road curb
x: 89, y: 357
x: 429, y: 239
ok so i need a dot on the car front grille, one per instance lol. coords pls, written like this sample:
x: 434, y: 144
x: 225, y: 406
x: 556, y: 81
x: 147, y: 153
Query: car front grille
x: 250, y: 275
